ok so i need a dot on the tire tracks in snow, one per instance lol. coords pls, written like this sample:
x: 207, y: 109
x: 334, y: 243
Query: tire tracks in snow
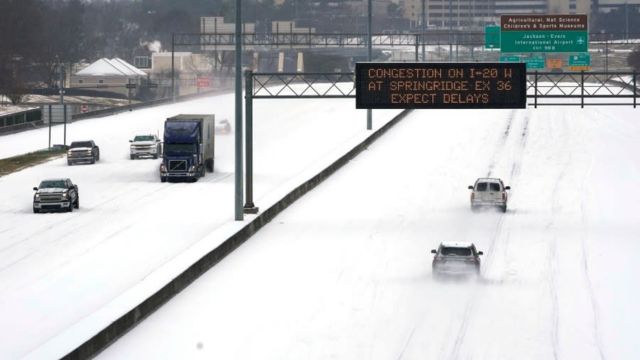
x: 498, y: 154
x: 68, y: 221
x: 585, y: 267
x: 553, y: 260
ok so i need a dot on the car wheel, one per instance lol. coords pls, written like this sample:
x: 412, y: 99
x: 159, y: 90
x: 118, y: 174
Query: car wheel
x: 77, y: 204
x: 132, y: 157
x: 504, y: 208
x: 209, y: 164
x: 69, y: 163
x: 93, y: 160
x: 70, y: 208
x: 163, y: 179
x: 35, y: 211
x: 155, y: 156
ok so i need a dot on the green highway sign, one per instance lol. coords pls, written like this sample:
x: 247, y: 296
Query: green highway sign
x: 547, y: 41
x: 583, y: 59
x: 535, y: 62
x: 543, y: 33
x: 509, y: 58
x: 492, y: 36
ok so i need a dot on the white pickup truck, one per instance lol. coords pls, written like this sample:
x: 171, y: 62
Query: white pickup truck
x: 145, y: 145
x: 489, y: 192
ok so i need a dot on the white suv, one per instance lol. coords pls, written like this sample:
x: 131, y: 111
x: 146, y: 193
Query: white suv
x: 489, y: 192
x: 145, y: 145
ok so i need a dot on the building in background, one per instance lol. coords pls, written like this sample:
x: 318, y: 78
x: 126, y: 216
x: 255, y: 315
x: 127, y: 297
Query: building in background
x: 109, y: 75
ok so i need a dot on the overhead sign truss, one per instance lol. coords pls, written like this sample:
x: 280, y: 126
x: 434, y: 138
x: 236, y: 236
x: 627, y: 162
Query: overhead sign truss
x: 440, y: 85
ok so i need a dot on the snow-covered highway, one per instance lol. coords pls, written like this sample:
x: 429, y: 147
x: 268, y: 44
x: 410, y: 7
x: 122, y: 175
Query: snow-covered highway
x: 345, y: 272
x: 57, y: 271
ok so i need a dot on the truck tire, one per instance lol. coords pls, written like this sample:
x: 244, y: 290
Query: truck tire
x: 163, y: 179
x: 93, y: 160
x: 504, y: 208
x: 35, y: 211
x: 133, y: 157
x: 209, y: 164
x: 77, y: 203
x: 70, y: 208
x: 69, y: 162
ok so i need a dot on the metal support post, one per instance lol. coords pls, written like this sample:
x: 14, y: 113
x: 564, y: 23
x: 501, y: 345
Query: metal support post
x: 173, y: 71
x: 582, y: 89
x: 535, y: 90
x: 49, y: 106
x: 249, y: 206
x: 64, y: 112
x: 64, y: 108
x: 606, y: 55
x: 417, y: 46
x: 238, y: 114
x: 635, y: 88
x: 450, y: 30
x: 369, y: 57
x: 422, y: 27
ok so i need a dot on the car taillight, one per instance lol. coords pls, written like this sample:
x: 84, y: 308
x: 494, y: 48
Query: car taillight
x: 504, y: 196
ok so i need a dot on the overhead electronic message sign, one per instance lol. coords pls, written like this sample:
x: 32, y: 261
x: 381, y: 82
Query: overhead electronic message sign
x: 441, y: 85
x: 544, y: 33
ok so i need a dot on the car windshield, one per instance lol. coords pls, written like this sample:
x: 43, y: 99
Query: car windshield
x: 79, y: 144
x: 179, y: 148
x: 143, y: 138
x: 49, y: 184
x: 458, y: 251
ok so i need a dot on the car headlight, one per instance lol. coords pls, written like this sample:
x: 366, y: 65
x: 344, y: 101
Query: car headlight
x: 192, y: 168
x: 65, y: 195
x: 37, y: 197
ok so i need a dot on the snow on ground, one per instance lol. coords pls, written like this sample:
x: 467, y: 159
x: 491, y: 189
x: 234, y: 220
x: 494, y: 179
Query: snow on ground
x: 57, y: 270
x: 346, y: 271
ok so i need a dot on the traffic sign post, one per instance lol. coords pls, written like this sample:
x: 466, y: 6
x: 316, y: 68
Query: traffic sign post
x: 543, y: 33
x: 440, y: 85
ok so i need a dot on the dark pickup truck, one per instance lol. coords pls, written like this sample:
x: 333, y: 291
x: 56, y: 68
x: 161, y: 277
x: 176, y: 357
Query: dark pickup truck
x: 83, y: 151
x: 56, y: 194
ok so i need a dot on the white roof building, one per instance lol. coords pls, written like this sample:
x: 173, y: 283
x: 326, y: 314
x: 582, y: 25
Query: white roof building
x: 111, y: 67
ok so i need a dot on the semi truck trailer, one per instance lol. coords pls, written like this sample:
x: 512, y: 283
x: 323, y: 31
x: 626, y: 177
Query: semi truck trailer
x: 188, y: 149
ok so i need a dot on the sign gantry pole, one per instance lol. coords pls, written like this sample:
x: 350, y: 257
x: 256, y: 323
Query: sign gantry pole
x: 238, y: 115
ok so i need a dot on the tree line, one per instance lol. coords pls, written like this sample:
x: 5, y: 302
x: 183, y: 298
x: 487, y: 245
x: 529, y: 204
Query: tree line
x: 37, y: 36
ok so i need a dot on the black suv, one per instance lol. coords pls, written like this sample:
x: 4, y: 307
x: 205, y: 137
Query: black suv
x: 83, y: 151
x: 56, y: 194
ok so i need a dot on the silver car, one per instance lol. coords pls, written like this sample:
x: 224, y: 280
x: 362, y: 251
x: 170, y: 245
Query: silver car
x: 489, y: 192
x: 456, y: 259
